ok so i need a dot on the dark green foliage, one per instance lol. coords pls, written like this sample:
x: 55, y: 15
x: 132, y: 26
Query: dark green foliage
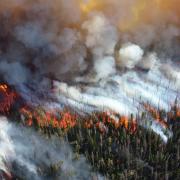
x: 119, y: 154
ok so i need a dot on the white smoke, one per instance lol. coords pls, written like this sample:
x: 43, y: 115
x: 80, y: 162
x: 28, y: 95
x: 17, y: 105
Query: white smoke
x: 28, y: 154
x: 105, y: 67
x: 100, y: 101
x: 130, y: 55
x: 173, y: 74
x: 101, y: 35
x: 124, y: 93
x: 149, y: 61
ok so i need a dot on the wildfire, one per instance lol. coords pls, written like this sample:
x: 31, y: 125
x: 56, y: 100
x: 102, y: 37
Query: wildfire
x: 103, y: 120
x: 62, y: 120
x: 7, y: 98
x: 155, y: 114
x: 66, y: 120
x: 174, y: 113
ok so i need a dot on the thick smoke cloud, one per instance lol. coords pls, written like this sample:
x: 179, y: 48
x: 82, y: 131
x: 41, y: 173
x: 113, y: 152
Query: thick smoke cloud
x: 53, y: 37
x: 130, y: 55
x: 19, y: 72
x: 74, y: 42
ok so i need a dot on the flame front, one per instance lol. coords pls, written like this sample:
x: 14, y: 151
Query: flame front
x: 66, y: 120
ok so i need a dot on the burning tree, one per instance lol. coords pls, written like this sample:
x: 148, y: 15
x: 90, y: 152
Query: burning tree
x: 118, y: 149
x: 7, y: 98
x: 116, y: 146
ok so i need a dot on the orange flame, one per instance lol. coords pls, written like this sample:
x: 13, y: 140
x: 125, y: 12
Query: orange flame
x: 155, y: 114
x: 63, y: 120
x: 66, y: 120
x: 7, y: 98
x: 125, y: 121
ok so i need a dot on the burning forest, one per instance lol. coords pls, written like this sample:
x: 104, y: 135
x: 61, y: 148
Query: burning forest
x: 89, y: 89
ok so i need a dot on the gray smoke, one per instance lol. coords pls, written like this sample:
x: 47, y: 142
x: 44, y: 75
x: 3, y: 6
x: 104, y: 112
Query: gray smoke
x: 55, y: 39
